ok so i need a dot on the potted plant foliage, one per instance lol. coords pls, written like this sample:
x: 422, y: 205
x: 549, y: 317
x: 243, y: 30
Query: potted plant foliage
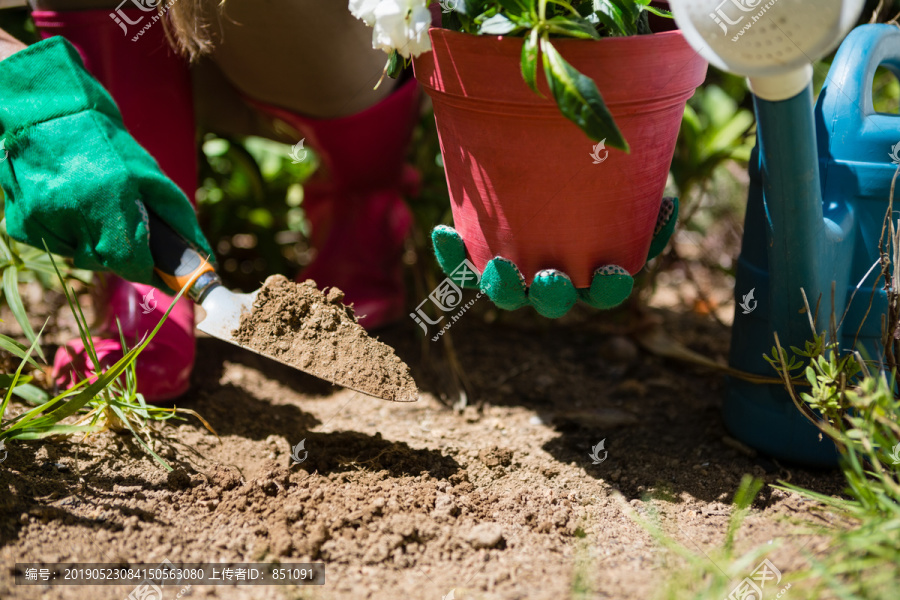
x: 557, y: 123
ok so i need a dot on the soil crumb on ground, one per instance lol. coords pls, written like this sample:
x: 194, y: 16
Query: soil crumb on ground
x: 312, y: 330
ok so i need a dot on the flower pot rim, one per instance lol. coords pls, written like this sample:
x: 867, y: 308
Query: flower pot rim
x: 625, y: 39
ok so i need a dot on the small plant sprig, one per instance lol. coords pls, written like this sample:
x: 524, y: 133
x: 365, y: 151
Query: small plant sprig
x: 854, y: 402
x: 20, y: 263
x: 109, y: 396
x: 708, y: 575
x: 859, y: 411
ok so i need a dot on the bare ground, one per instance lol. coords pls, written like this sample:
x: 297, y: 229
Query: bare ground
x: 496, y: 501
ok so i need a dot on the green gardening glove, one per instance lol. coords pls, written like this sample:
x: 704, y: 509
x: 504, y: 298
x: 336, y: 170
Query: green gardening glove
x: 74, y: 177
x: 551, y: 293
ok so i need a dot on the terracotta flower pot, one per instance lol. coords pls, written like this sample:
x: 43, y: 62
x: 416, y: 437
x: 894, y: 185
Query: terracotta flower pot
x: 523, y: 184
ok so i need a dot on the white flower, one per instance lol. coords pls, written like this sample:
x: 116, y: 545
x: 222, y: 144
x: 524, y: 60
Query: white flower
x: 364, y: 10
x: 402, y: 25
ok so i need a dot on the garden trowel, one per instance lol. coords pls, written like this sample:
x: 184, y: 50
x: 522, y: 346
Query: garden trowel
x: 180, y: 265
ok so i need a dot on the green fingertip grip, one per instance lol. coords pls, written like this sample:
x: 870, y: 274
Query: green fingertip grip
x: 665, y: 226
x: 552, y: 293
x: 610, y: 287
x: 450, y: 251
x: 504, y: 284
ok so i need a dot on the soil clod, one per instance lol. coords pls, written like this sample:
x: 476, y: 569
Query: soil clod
x: 301, y: 326
x: 485, y: 535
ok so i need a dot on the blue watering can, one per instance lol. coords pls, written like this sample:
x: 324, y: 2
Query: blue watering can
x: 819, y: 188
x: 813, y: 238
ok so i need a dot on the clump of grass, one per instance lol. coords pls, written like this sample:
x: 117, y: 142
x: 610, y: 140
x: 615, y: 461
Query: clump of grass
x: 857, y: 408
x: 105, y: 400
x: 708, y: 575
x: 854, y: 402
x: 582, y: 587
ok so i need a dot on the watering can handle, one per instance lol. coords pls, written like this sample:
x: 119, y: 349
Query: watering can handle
x: 845, y: 107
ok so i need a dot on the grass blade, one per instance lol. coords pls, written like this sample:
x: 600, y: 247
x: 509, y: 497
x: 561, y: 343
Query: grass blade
x: 15, y: 380
x: 30, y: 393
x: 16, y: 349
x: 140, y: 440
x: 14, y: 301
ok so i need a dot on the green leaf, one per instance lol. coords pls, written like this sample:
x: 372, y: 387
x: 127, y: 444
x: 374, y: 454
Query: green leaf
x: 529, y: 59
x: 13, y: 382
x: 730, y: 133
x: 514, y: 7
x: 127, y: 423
x: 499, y: 24
x: 6, y: 380
x: 613, y: 18
x: 566, y: 6
x: 31, y: 394
x: 29, y: 434
x: 394, y: 67
x: 16, y: 349
x: 631, y: 13
x: 14, y: 301
x: 5, y: 252
x: 30, y: 425
x: 578, y: 98
x: 571, y: 27
x: 659, y: 12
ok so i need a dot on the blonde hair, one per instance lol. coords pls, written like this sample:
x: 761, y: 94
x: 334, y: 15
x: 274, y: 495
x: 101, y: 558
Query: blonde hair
x: 187, y: 27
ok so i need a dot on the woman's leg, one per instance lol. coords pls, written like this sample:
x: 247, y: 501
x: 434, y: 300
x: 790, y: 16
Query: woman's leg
x: 309, y: 56
x: 308, y: 67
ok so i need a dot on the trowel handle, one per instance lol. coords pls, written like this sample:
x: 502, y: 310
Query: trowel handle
x: 175, y: 260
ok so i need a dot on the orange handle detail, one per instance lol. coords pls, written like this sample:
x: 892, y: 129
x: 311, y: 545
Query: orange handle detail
x: 176, y: 282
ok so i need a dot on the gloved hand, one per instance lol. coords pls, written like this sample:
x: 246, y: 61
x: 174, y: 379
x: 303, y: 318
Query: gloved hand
x: 552, y: 293
x: 73, y: 176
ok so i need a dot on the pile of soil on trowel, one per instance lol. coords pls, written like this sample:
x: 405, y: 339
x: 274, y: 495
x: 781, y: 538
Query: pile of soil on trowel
x: 312, y: 330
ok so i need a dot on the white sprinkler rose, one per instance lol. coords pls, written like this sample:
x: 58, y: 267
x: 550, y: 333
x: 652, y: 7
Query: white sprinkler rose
x: 364, y: 10
x: 402, y: 25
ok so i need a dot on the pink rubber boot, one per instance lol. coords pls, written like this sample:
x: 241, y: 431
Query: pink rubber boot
x: 152, y: 87
x: 355, y: 202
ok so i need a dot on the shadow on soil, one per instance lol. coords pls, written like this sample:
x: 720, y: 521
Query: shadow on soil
x: 660, y: 419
